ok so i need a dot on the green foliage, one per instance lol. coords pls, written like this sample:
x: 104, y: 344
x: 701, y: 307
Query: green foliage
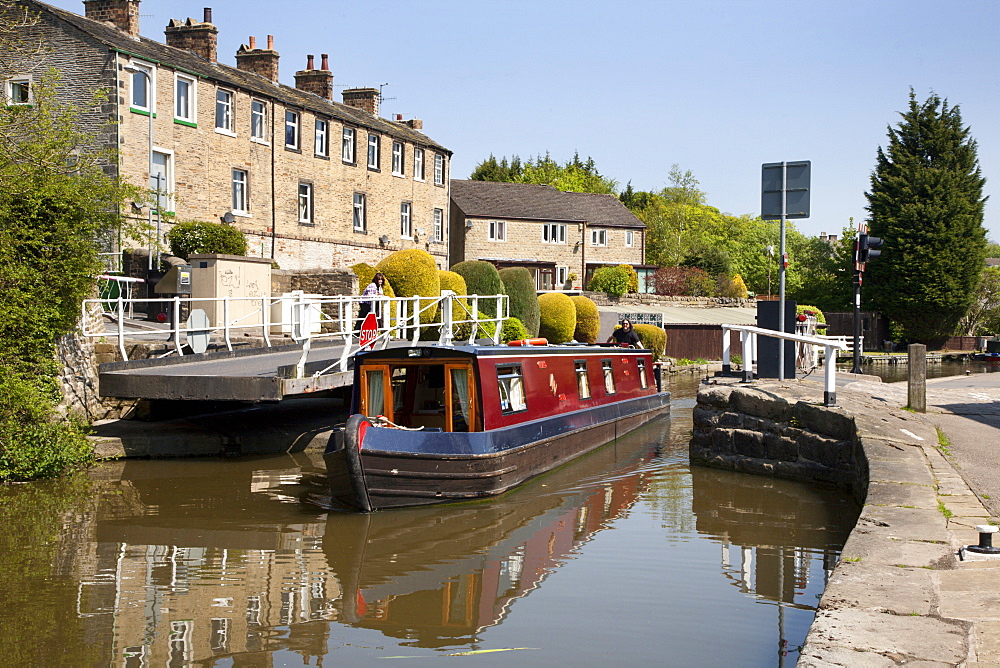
x: 588, y: 319
x: 413, y: 273
x: 454, y: 282
x: 366, y: 274
x: 520, y: 285
x: 513, y: 330
x: 195, y: 237
x: 484, y: 330
x: 733, y: 288
x: 654, y: 338
x: 633, y: 277
x: 557, y: 320
x: 827, y: 273
x: 810, y: 310
x: 481, y: 278
x: 926, y: 202
x: 575, y: 175
x: 983, y: 318
x: 612, y: 280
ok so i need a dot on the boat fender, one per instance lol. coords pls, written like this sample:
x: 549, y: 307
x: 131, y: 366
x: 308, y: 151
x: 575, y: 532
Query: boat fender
x: 529, y: 342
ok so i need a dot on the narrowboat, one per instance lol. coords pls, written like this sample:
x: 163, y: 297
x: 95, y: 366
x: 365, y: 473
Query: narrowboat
x: 434, y: 424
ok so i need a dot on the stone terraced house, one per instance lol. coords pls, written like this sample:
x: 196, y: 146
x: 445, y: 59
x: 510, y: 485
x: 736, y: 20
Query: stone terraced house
x: 561, y: 237
x: 313, y: 183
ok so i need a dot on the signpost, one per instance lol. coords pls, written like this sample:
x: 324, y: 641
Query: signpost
x: 784, y: 193
x: 369, y: 330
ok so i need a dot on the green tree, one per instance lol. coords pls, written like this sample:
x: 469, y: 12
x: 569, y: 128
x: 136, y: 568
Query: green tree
x: 926, y: 201
x: 983, y: 318
x: 575, y: 175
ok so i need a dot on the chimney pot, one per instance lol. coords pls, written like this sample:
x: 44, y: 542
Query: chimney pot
x: 200, y: 39
x: 399, y: 118
x: 208, y: 14
x: 270, y: 42
x: 326, y: 62
x: 253, y: 42
x: 263, y: 62
x: 310, y: 62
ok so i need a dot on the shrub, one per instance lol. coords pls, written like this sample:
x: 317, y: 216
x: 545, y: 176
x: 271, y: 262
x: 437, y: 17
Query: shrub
x: 654, y: 338
x: 520, y: 285
x: 454, y: 282
x: 733, y: 288
x: 481, y: 278
x: 190, y: 238
x: 557, y: 317
x: 810, y: 310
x: 484, y: 330
x: 366, y: 273
x: 700, y: 283
x: 413, y: 273
x: 513, y: 330
x: 588, y: 319
x: 675, y: 281
x: 633, y: 277
x: 613, y: 280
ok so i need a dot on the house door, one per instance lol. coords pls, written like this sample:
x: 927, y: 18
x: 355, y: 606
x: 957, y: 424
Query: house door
x: 546, y: 278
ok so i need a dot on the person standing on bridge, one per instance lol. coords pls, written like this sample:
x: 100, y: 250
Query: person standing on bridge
x: 374, y: 290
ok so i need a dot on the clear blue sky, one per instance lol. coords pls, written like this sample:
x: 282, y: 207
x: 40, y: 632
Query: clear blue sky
x: 717, y: 86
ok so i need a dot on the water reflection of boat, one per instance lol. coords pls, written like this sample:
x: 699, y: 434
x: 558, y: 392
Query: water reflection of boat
x: 441, y: 575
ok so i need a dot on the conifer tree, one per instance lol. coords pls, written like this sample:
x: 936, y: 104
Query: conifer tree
x: 926, y: 202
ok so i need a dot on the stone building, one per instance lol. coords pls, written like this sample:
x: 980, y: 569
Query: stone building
x: 313, y: 183
x: 561, y: 237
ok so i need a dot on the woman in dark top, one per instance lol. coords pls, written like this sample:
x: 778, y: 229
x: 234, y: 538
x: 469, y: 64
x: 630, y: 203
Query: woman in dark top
x: 625, y: 335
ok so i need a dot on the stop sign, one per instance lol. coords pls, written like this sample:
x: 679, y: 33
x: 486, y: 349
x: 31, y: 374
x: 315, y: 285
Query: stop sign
x: 369, y: 329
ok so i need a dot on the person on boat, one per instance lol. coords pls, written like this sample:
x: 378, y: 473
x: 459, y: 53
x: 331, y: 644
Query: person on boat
x: 625, y: 335
x: 374, y: 289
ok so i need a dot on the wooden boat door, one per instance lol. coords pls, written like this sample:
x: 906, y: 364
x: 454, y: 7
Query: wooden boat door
x: 376, y: 391
x: 461, y: 411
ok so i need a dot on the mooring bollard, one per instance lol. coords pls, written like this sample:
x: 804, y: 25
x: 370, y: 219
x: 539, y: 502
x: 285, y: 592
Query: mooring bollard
x: 985, y: 546
x: 916, y: 386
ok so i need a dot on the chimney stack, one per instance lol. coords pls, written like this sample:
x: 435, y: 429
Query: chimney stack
x: 122, y: 14
x: 319, y: 82
x: 365, y: 99
x: 199, y: 38
x: 263, y: 62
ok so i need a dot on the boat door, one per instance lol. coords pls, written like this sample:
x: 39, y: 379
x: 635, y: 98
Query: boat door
x: 460, y: 407
x: 438, y: 395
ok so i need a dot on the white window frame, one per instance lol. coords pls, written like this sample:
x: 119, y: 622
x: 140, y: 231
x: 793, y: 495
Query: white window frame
x: 189, y: 115
x: 167, y: 198
x: 306, y: 198
x: 497, y: 230
x: 374, y: 151
x: 406, y: 220
x: 398, y: 156
x: 322, y: 137
x: 360, y: 212
x: 228, y: 110
x: 438, y: 169
x: 629, y: 238
x: 438, y: 224
x: 258, y: 117
x: 349, y: 145
x: 562, y: 274
x: 598, y: 237
x: 8, y: 90
x: 150, y: 99
x: 554, y: 233
x: 241, y: 192
x: 418, y: 164
x: 293, y: 122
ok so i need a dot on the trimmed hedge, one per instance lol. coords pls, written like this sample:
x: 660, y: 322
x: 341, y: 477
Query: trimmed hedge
x: 654, y: 338
x: 513, y: 330
x: 633, y: 277
x: 810, y: 310
x: 613, y: 280
x: 366, y: 273
x: 520, y: 285
x: 557, y: 317
x: 190, y: 238
x: 481, y: 278
x: 413, y: 273
x: 588, y: 319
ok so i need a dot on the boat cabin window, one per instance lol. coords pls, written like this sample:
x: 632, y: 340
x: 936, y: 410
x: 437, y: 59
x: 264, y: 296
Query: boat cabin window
x: 374, y: 391
x: 511, y: 388
x: 582, y: 380
x: 643, y: 383
x: 439, y: 395
x: 609, y: 377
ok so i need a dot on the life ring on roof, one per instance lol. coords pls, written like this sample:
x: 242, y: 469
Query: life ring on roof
x: 529, y: 342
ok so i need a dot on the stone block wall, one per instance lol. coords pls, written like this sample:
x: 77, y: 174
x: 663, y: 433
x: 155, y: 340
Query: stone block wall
x: 754, y: 431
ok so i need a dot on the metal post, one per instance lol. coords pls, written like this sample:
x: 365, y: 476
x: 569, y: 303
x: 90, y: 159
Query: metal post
x: 225, y: 319
x: 748, y: 353
x: 175, y: 320
x: 830, y: 379
x: 121, y: 328
x: 857, y: 322
x: 781, y: 271
x: 726, y: 366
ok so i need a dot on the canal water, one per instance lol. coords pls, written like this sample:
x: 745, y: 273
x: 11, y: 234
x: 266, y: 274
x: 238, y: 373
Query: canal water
x: 628, y: 556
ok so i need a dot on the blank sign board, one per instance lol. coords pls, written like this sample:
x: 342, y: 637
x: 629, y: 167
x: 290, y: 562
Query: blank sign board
x: 786, y: 182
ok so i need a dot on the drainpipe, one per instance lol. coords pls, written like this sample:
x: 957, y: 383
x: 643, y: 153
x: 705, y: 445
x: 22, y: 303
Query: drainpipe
x: 583, y: 256
x: 274, y: 209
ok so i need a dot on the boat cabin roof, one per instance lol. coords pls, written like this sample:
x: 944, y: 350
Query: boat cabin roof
x: 432, y: 349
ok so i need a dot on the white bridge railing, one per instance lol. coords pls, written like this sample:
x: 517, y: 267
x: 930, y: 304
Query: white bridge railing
x: 303, y: 317
x: 748, y: 339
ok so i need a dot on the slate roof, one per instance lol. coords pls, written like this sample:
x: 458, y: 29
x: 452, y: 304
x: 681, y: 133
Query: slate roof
x: 147, y: 49
x: 491, y: 199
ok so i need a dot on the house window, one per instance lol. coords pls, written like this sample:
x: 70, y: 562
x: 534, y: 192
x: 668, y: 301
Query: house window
x: 18, y: 91
x: 347, y: 145
x: 374, y: 146
x: 224, y: 112
x: 598, y: 237
x: 405, y: 224
x: 398, y: 155
x: 511, y: 388
x: 305, y: 203
x: 438, y: 169
x: 498, y: 230
x: 322, y: 138
x: 553, y: 233
x: 582, y: 380
x: 241, y: 195
x: 360, y: 213
x: 143, y: 87
x: 609, y: 377
x: 418, y: 164
x: 161, y: 180
x: 258, y: 120
x: 438, y: 224
x: 643, y: 381
x: 185, y: 89
x: 629, y: 238
x: 562, y: 276
x: 292, y: 129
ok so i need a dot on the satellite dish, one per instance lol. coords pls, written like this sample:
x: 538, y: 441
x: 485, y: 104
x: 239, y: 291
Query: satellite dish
x: 229, y: 218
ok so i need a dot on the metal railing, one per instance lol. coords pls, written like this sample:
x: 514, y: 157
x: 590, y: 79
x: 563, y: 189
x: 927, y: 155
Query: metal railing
x: 748, y: 339
x: 303, y: 317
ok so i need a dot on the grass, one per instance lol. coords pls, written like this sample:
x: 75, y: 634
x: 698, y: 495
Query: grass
x: 944, y: 510
x: 944, y: 443
x: 852, y: 559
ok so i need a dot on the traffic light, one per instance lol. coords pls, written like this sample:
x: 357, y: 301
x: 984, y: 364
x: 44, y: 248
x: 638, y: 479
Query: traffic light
x: 868, y: 247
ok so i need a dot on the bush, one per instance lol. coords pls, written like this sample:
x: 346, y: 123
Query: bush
x: 513, y: 330
x: 676, y: 281
x: 191, y: 238
x: 520, y: 285
x: 613, y: 280
x: 413, y: 273
x: 810, y: 310
x: 557, y: 317
x: 633, y: 278
x: 733, y: 288
x: 366, y: 274
x: 654, y: 338
x: 484, y: 330
x: 481, y: 278
x: 588, y: 319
